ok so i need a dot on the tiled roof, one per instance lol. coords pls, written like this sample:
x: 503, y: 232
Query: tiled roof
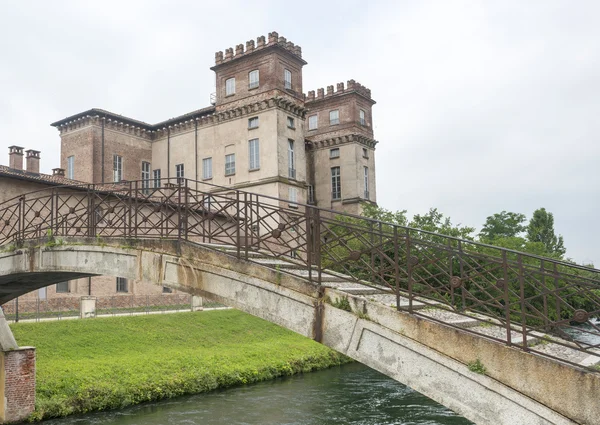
x: 36, y: 177
x: 103, y: 113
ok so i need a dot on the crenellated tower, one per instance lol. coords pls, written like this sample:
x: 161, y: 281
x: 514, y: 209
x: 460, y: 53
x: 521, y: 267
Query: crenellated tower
x: 271, y: 67
x: 341, y: 147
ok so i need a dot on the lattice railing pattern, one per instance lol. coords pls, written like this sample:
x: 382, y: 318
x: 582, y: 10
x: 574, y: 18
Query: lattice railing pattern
x: 523, y: 294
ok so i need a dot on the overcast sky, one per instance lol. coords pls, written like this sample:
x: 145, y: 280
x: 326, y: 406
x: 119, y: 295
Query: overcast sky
x: 482, y: 106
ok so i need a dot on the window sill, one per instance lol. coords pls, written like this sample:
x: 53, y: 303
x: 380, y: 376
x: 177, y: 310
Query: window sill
x: 206, y: 179
x: 293, y: 206
x: 253, y: 169
x: 332, y: 124
x: 253, y: 88
x: 230, y: 174
x: 252, y: 128
x: 365, y: 157
x: 291, y: 128
x: 229, y: 95
x: 334, y: 157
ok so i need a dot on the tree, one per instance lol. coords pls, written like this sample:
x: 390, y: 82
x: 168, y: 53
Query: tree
x: 502, y: 225
x: 541, y: 229
x: 435, y: 221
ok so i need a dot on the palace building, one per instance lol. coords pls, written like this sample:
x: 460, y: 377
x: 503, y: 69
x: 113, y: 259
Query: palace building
x: 260, y: 134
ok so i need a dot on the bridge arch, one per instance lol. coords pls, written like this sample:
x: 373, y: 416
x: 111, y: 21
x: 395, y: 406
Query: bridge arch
x: 375, y: 335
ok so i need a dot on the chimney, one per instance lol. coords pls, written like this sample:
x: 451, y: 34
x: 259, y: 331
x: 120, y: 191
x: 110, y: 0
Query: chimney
x: 33, y: 161
x: 60, y: 172
x: 15, y: 157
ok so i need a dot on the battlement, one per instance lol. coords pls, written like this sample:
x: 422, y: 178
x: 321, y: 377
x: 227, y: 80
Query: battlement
x: 261, y: 43
x: 351, y: 86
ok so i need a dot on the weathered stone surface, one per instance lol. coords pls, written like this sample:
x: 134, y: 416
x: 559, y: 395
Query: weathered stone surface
x: 518, y: 388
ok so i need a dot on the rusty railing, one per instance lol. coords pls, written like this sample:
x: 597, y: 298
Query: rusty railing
x: 525, y: 297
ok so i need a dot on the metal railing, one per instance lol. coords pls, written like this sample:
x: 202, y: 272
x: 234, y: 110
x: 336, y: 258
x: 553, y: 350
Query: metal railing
x: 110, y: 305
x: 522, y: 294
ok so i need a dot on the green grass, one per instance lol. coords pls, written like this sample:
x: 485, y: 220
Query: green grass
x: 108, y: 363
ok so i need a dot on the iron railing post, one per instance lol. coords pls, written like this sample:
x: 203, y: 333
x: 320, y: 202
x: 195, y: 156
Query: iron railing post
x: 309, y: 241
x: 462, y: 277
x: 186, y: 210
x: 506, y: 299
x: 397, y: 267
x: 246, y: 232
x: 318, y: 247
x: 522, y: 303
x: 51, y: 226
x: 237, y: 227
x: 178, y: 209
x: 127, y: 217
x: 409, y: 272
x: 135, y: 210
x: 21, y: 234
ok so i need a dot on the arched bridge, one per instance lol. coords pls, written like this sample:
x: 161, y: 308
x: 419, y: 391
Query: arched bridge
x: 420, y: 307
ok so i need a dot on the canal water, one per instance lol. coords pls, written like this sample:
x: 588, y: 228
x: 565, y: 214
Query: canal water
x: 351, y: 394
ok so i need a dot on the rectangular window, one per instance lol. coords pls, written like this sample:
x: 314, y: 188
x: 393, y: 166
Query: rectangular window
x: 311, y: 194
x: 230, y: 164
x: 156, y: 176
x: 287, y: 79
x: 253, y: 79
x: 71, y: 167
x: 254, y: 154
x: 362, y: 118
x: 179, y: 173
x: 117, y: 168
x: 293, y: 196
x: 229, y: 86
x: 207, y: 168
x: 365, y: 153
x: 334, y: 153
x: 145, y: 176
x: 334, y: 117
x: 336, y: 183
x: 253, y: 122
x: 366, y: 178
x: 312, y: 122
x: 290, y: 122
x: 291, y: 160
x: 62, y: 287
x: 122, y: 285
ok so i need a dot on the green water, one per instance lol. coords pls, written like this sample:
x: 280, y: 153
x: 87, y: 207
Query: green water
x: 352, y: 394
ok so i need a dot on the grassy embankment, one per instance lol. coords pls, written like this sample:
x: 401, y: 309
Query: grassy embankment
x: 108, y: 363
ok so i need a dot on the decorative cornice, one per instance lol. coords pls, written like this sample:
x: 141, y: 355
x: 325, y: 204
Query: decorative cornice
x: 341, y: 140
x: 235, y: 113
x: 187, y: 122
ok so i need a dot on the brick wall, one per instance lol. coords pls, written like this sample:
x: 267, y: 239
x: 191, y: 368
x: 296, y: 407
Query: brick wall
x: 19, y: 384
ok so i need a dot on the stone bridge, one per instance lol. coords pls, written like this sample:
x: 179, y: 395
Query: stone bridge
x: 486, y: 332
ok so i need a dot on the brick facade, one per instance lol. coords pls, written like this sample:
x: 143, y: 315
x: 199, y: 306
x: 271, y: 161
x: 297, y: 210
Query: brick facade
x: 17, y: 384
x: 282, y: 114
